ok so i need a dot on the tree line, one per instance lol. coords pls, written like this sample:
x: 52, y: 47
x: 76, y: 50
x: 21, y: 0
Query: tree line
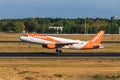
x: 70, y: 26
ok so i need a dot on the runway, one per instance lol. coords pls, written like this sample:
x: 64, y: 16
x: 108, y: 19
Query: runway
x: 57, y: 55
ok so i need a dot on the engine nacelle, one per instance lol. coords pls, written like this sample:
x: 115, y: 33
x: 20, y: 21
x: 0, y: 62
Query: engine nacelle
x: 50, y: 46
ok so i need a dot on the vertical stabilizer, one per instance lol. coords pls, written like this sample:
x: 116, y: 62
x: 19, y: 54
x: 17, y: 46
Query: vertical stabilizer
x: 95, y: 41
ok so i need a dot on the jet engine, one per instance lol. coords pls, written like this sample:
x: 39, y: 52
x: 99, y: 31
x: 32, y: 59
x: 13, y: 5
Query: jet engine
x: 50, y: 46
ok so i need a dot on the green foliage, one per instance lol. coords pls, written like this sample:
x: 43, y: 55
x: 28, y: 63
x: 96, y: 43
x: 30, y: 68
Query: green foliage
x: 32, y: 25
x: 41, y: 25
x: 18, y: 27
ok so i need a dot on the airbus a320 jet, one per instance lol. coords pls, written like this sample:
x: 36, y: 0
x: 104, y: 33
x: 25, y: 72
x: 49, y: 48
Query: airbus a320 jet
x: 58, y: 43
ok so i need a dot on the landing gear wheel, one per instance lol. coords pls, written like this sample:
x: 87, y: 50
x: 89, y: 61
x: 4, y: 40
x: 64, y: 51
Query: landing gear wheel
x: 59, y: 51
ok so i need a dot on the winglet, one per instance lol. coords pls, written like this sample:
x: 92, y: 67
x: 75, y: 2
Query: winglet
x: 95, y: 41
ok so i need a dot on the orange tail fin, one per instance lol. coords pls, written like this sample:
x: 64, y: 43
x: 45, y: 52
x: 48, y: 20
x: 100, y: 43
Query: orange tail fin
x: 95, y: 41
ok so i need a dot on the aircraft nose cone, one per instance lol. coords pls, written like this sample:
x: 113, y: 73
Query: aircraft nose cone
x: 21, y: 38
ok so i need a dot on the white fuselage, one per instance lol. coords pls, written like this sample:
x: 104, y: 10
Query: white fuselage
x: 43, y: 40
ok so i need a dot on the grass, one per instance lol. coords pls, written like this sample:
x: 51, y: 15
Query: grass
x: 58, y: 75
x: 16, y: 36
x: 106, y: 77
x: 61, y: 62
x: 60, y: 69
x: 9, y: 36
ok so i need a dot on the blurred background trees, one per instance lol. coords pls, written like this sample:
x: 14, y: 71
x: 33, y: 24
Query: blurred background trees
x: 70, y: 26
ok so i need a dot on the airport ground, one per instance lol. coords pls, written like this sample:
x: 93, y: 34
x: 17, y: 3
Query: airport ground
x: 83, y: 37
x: 58, y: 68
x: 25, y: 47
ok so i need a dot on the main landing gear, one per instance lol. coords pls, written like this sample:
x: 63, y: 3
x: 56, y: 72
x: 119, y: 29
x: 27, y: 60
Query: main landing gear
x: 59, y: 51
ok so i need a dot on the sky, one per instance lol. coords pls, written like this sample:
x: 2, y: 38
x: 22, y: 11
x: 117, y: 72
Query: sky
x: 59, y: 8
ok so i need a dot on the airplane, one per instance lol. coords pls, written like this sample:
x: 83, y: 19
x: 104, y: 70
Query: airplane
x: 57, y: 43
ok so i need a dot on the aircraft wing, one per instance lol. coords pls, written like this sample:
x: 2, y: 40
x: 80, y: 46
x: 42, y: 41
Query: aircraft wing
x: 59, y: 45
x: 66, y: 43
